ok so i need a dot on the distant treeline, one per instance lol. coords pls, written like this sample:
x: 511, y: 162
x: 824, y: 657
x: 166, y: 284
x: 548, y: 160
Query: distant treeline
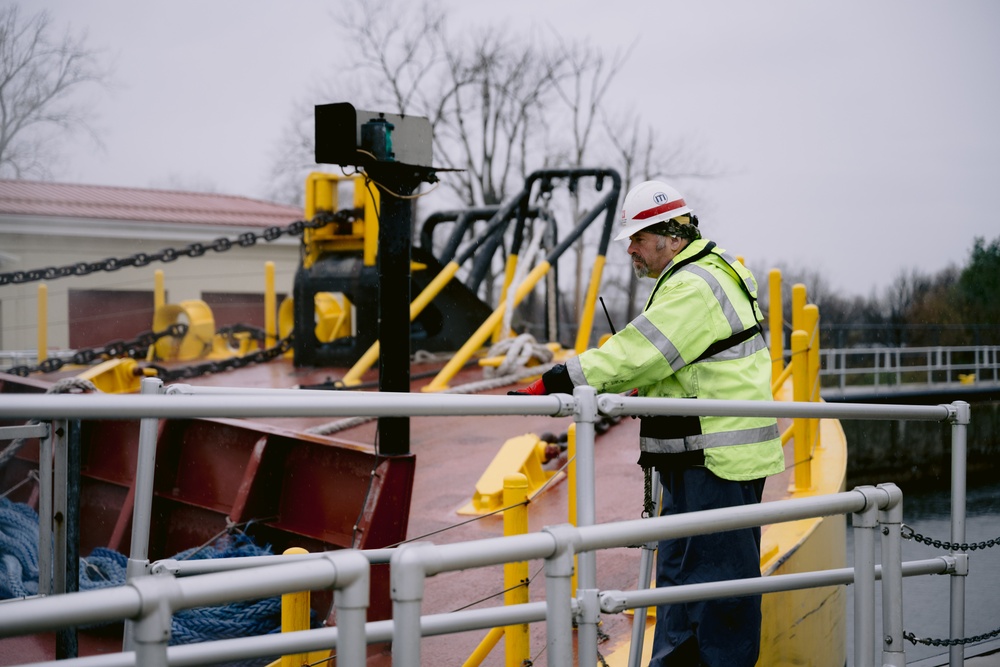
x: 957, y: 306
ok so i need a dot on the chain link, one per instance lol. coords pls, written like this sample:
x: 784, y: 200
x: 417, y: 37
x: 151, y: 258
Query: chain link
x: 134, y: 349
x: 909, y: 534
x: 913, y: 639
x: 197, y: 370
x: 140, y: 259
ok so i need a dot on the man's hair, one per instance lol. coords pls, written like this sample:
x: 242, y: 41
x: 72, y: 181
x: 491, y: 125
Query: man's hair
x: 685, y: 227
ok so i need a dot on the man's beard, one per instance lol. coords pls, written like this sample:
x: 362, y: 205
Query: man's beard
x: 639, y: 267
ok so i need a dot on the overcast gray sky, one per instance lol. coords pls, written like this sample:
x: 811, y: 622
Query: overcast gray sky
x: 858, y: 139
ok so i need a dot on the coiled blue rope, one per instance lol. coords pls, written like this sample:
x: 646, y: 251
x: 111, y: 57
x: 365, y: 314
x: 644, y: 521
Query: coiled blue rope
x: 105, y: 568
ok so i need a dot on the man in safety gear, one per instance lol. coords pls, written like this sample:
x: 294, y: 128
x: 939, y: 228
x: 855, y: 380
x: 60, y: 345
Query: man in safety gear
x: 699, y: 336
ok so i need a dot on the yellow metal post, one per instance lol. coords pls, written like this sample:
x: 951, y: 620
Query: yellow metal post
x: 810, y: 317
x: 798, y: 303
x: 295, y: 617
x: 515, y: 575
x: 776, y: 323
x: 43, y: 322
x: 800, y: 379
x: 270, y: 306
x: 589, y: 304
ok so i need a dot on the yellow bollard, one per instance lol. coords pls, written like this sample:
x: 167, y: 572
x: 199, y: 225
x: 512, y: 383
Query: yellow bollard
x: 800, y: 380
x: 810, y: 320
x: 798, y: 303
x: 43, y: 322
x: 295, y: 617
x: 776, y: 324
x: 270, y: 307
x: 515, y: 575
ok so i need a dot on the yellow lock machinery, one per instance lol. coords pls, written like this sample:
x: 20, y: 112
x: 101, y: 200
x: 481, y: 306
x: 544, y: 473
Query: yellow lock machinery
x: 339, y: 262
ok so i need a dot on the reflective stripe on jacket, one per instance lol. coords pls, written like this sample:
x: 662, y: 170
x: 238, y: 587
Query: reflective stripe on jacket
x: 661, y: 353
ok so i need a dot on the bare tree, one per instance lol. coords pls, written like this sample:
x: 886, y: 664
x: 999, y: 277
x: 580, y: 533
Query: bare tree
x: 40, y: 81
x: 501, y: 103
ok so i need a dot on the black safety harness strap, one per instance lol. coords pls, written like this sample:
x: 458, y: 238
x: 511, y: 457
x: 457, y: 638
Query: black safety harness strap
x: 738, y: 337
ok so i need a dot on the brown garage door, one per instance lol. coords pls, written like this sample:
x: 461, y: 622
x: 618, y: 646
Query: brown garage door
x: 97, y: 317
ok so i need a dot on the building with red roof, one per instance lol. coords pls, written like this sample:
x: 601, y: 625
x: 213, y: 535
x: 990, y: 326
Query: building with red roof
x: 97, y: 251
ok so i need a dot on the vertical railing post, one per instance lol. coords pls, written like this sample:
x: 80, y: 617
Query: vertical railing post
x: 959, y: 435
x: 571, y: 488
x: 351, y: 600
x: 60, y: 481
x: 800, y: 425
x: 891, y: 520
x: 45, y: 559
x: 153, y: 627
x: 515, y: 575
x: 586, y: 415
x: 559, y: 596
x: 646, y: 559
x: 864, y: 522
x: 142, y: 508
x: 407, y: 580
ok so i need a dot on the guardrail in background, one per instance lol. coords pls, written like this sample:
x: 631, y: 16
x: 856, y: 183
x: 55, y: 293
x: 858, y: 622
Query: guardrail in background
x: 878, y: 366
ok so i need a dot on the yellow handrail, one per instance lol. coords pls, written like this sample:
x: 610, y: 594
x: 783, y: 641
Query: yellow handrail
x: 508, y: 279
x: 589, y: 304
x: 440, y: 381
x: 353, y: 376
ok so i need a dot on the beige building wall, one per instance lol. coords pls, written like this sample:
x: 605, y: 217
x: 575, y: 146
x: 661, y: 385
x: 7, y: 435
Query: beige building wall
x: 32, y: 243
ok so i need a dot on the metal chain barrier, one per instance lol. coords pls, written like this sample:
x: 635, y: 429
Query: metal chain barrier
x: 908, y: 533
x: 913, y: 639
x: 134, y: 349
x: 141, y: 259
x: 197, y: 370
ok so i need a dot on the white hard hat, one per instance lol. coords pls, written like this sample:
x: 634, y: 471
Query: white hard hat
x: 648, y: 203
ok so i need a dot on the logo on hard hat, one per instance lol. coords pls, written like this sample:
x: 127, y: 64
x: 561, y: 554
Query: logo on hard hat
x: 660, y: 197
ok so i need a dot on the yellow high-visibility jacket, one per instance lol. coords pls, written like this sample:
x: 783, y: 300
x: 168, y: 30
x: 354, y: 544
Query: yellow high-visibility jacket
x: 698, y: 337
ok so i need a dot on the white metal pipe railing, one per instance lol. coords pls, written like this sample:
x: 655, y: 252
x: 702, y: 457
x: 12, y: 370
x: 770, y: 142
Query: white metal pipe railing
x: 279, y: 403
x: 414, y: 562
x: 152, y: 600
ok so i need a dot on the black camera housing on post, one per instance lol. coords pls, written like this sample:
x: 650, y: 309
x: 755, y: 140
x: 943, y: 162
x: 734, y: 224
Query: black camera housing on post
x: 349, y: 136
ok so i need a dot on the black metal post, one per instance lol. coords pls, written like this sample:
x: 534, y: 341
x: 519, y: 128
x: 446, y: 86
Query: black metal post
x: 66, y: 638
x: 396, y: 183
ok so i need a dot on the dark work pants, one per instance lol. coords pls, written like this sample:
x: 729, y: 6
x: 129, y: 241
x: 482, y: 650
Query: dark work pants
x: 716, y: 633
